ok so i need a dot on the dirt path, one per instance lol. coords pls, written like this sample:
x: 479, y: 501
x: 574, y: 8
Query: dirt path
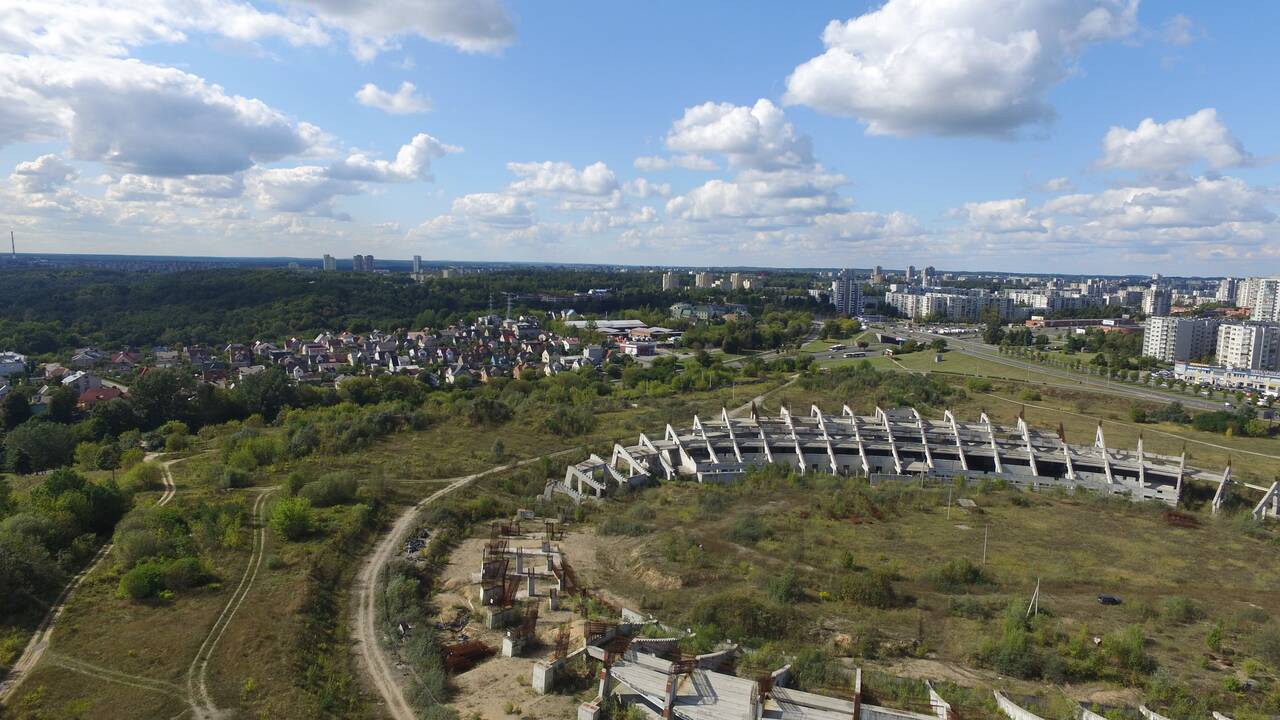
x: 368, y: 646
x: 198, y: 673
x: 39, y: 643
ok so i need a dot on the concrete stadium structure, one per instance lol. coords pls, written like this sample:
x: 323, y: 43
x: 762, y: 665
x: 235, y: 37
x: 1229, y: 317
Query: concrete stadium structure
x: 890, y: 445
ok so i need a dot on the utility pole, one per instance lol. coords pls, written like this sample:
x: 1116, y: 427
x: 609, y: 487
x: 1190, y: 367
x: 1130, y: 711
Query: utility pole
x: 985, y: 528
x: 948, y: 503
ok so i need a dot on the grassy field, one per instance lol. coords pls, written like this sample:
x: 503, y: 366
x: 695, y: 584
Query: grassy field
x: 692, y: 553
x: 815, y: 346
x: 277, y: 658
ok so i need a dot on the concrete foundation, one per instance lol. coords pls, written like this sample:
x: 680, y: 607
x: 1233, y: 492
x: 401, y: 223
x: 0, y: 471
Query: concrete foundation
x: 590, y: 710
x: 543, y: 677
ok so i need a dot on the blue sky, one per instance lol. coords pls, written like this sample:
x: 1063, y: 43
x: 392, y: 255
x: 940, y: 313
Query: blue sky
x: 1078, y: 135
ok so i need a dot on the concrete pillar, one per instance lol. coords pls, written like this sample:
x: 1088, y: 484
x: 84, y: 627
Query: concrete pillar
x: 543, y: 677
x: 519, y: 560
x: 606, y: 681
x: 553, y: 600
x: 510, y: 648
x: 532, y: 587
x: 589, y: 710
x: 673, y: 682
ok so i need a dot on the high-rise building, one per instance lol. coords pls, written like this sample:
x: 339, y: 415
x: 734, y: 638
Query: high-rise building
x: 1251, y: 346
x: 928, y: 276
x: 670, y: 281
x: 703, y: 279
x: 417, y: 264
x: 846, y: 294
x: 1157, y: 302
x: 1262, y: 296
x: 330, y: 263
x: 1226, y: 290
x: 357, y: 263
x: 368, y: 263
x: 877, y: 276
x: 1174, y: 339
x: 735, y: 281
x: 911, y: 273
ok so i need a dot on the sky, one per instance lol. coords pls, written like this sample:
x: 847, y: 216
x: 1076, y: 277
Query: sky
x: 1081, y: 136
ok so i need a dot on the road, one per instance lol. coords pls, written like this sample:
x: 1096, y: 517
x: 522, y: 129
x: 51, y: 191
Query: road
x: 39, y: 643
x: 201, y: 700
x: 369, y: 648
x: 983, y: 351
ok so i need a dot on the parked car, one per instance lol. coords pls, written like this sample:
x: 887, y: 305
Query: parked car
x: 1109, y: 600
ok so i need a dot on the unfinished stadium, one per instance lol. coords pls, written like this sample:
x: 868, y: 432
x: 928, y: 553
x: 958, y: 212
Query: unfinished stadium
x: 892, y: 445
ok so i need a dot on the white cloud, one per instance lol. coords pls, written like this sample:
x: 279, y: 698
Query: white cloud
x: 782, y: 197
x: 413, y: 162
x: 496, y: 210
x: 1204, y: 202
x: 143, y: 119
x: 83, y: 28
x: 1001, y: 216
x: 758, y: 137
x: 142, y: 188
x: 644, y: 188
x: 1179, y: 30
x: 1170, y: 146
x: 469, y: 25
x: 303, y: 189
x: 654, y: 163
x: 1057, y: 185
x: 45, y: 174
x: 956, y: 68
x: 405, y: 101
x: 863, y: 226
x: 595, y: 179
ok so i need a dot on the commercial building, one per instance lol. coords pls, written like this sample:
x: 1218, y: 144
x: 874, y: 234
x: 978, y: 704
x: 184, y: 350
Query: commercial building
x: 877, y: 276
x: 417, y: 264
x: 1174, y: 339
x: 1263, y: 381
x: 1250, y: 346
x: 846, y: 294
x: 361, y: 263
x: 670, y: 281
x: 330, y: 263
x: 1156, y: 301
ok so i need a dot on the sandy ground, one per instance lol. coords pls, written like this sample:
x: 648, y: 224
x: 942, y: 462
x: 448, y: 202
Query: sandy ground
x: 498, y: 683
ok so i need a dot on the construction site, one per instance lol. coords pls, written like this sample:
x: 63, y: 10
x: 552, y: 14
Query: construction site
x: 895, y: 445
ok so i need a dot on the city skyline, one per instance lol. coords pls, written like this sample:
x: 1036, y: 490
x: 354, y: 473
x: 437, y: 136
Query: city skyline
x: 1072, y: 136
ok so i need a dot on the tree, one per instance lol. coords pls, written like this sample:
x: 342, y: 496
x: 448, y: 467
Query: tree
x: 62, y: 404
x: 40, y: 445
x: 109, y: 458
x: 291, y: 518
x: 938, y: 345
x: 266, y: 393
x: 15, y: 409
x: 160, y: 395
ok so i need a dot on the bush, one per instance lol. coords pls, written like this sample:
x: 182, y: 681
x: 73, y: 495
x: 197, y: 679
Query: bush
x: 571, y: 421
x: 183, y: 573
x: 145, y: 580
x: 177, y: 443
x: 1126, y: 650
x: 956, y: 576
x: 785, y: 587
x: 147, y: 476
x: 749, y: 530
x: 741, y: 617
x: 233, y: 477
x: 1030, y: 396
x: 1180, y: 609
x: 291, y: 518
x: 332, y: 489
x: 868, y: 589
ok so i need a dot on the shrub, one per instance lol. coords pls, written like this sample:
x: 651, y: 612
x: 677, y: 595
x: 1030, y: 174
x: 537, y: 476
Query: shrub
x: 868, y: 589
x: 956, y: 576
x: 183, y: 573
x: 741, y: 617
x: 1030, y: 396
x: 749, y: 530
x: 1126, y: 650
x: 147, y: 476
x: 785, y: 587
x: 145, y: 580
x: 233, y: 477
x: 978, y: 384
x: 1180, y: 609
x: 291, y: 518
x: 177, y: 443
x: 332, y: 489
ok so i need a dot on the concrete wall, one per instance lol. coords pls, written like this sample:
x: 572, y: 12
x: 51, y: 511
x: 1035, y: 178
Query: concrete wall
x: 1087, y: 714
x: 874, y: 712
x: 1149, y: 715
x: 1013, y: 711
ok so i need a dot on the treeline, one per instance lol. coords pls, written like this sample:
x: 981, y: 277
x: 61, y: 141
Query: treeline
x: 884, y: 388
x: 771, y: 331
x: 52, y: 311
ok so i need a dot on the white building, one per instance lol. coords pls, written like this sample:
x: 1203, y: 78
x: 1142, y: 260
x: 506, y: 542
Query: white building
x: 1252, y: 346
x: 1156, y: 301
x: 1174, y: 339
x: 670, y: 281
x: 330, y: 263
x: 1262, y: 295
x: 703, y: 279
x: 1226, y: 290
x: 951, y: 304
x: 12, y: 363
x: 846, y: 294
